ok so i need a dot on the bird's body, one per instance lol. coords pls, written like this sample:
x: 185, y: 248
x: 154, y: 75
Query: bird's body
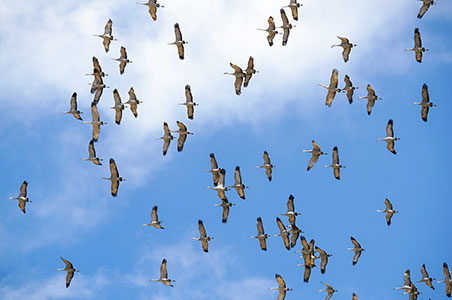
x: 371, y: 98
x: 332, y: 88
x: 447, y: 280
x: 329, y: 289
x: 349, y: 89
x: 267, y: 166
x: 407, y: 284
x: 389, y: 211
x: 418, y: 49
x: 133, y: 102
x: 96, y: 122
x: 357, y: 249
x: 107, y: 37
x: 189, y: 102
x: 425, y: 278
x: 73, y: 111
x: 291, y: 210
x: 152, y: 5
x: 220, y: 187
x: 167, y: 138
x: 316, y: 152
x: 92, y: 155
x: 271, y: 30
x: 163, y: 275
x: 238, y: 186
x: 97, y: 86
x: 425, y: 6
x: 336, y: 165
x: 114, y: 178
x: 286, y: 26
x: 226, y: 205
x: 179, y: 41
x: 239, y: 76
x: 123, y: 60
x: 70, y: 271
x: 261, y: 235
x: 425, y: 104
x: 294, y: 5
x: 183, y: 132
x: 119, y: 106
x: 282, y: 288
x: 346, y: 45
x: 154, y: 219
x: 390, y: 139
x: 283, y: 233
x: 249, y: 71
x: 203, y: 237
x: 22, y: 198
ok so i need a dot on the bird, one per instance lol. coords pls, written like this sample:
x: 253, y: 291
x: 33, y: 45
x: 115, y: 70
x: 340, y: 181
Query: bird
x: 271, y: 29
x: 22, y: 196
x: 239, y: 75
x: 418, y: 49
x: 119, y: 106
x: 346, y: 45
x: 324, y: 259
x: 349, y: 88
x: 249, y: 71
x: 92, y: 154
x: 155, y: 219
x: 73, y: 111
x: 354, y: 297
x: 286, y: 26
x: 426, y: 104
x: 226, y: 205
x: 133, y: 102
x: 97, y: 86
x: 183, y: 132
x: 163, y: 275
x: 179, y: 41
x: 167, y: 138
x: 238, y: 186
x: 425, y: 278
x: 357, y: 249
x: 291, y: 210
x: 389, y: 211
x: 282, y: 288
x: 308, y: 257
x: 153, y: 5
x: 335, y: 165
x: 267, y: 166
x: 425, y: 6
x: 123, y: 61
x: 97, y: 67
x: 70, y: 271
x: 413, y: 293
x: 203, y: 237
x: 220, y: 187
x: 329, y: 289
x: 96, y: 122
x: 332, y: 88
x: 316, y: 152
x: 284, y: 234
x: 407, y: 284
x: 371, y: 97
x: 261, y: 235
x: 107, y: 36
x: 114, y: 178
x: 189, y: 102
x: 294, y: 7
x: 390, y: 139
x: 214, y: 169
x: 447, y: 280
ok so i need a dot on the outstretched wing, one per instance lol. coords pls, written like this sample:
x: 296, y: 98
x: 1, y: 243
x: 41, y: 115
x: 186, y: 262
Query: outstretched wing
x: 23, y: 189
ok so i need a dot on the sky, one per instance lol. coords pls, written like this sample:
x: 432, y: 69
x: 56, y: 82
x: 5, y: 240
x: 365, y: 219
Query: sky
x: 46, y: 48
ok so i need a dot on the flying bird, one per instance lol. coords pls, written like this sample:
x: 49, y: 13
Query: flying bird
x: 183, y: 132
x: 154, y: 219
x: 107, y: 36
x: 426, y: 104
x: 329, y: 289
x: 133, y: 102
x: 425, y: 6
x: 214, y: 169
x: 70, y: 271
x: 220, y: 187
x: 238, y: 186
x: 249, y: 71
x: 179, y: 41
x: 189, y: 102
x: 286, y: 26
x: 407, y: 284
x: 294, y: 7
x: 167, y: 137
x: 389, y: 211
x: 283, y: 233
x: 97, y: 67
x: 114, y: 178
x: 163, y: 275
x: 371, y: 97
x: 291, y: 210
x: 347, y: 47
x: 119, y: 107
x: 92, y: 155
x: 203, y: 237
x: 332, y: 88
x: 418, y: 49
x: 271, y: 30
x: 73, y: 111
x: 282, y: 288
x: 425, y: 278
x: 97, y: 86
x: 123, y: 61
x: 349, y: 88
x: 96, y: 122
x: 335, y: 165
x: 267, y: 166
x: 316, y: 152
x: 324, y: 259
x: 357, y: 249
x: 390, y: 139
x: 226, y: 205
x: 153, y: 5
x: 239, y: 75
x: 261, y: 235
x: 308, y: 257
x: 22, y: 196
x: 447, y: 280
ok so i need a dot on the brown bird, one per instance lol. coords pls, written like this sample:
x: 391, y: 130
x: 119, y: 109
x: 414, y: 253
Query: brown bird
x: 73, y: 111
x: 214, y: 169
x: 332, y: 88
x: 107, y: 36
x: 284, y: 234
x: 267, y: 166
x: 97, y: 67
x: 407, y: 284
x: 308, y: 257
x: 179, y: 41
x: 119, y: 107
x: 390, y: 139
x: 447, y: 280
x: 189, y: 102
x: 70, y: 271
x: 329, y: 289
x: 426, y: 104
x: 261, y: 235
x: 324, y: 259
x: 371, y: 97
x: 249, y: 71
x: 418, y: 49
x: 96, y: 122
x: 349, y: 88
x: 153, y: 5
x: 286, y: 26
x: 203, y: 237
x: 426, y: 278
x: 425, y: 6
x: 389, y: 211
x: 183, y: 132
x: 335, y: 165
x: 357, y: 249
x: 239, y: 75
x: 154, y: 219
x: 271, y: 29
x: 316, y: 152
x: 291, y: 210
x: 167, y: 137
x: 22, y: 196
x: 97, y: 86
x: 226, y: 205
x: 346, y: 45
x: 163, y: 275
x: 294, y: 7
x: 133, y: 102
x: 123, y: 61
x: 114, y: 178
x: 92, y: 155
x: 282, y: 288
x: 220, y: 187
x: 238, y: 186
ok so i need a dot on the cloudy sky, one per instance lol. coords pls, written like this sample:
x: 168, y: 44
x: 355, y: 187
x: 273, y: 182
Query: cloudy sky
x: 47, y: 47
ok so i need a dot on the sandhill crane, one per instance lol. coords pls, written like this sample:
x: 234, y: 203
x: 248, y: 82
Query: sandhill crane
x: 291, y: 210
x: 425, y: 6
x: 107, y: 36
x: 179, y: 41
x: 73, y: 111
x: 294, y: 231
x: 332, y: 88
x: 349, y: 88
x: 354, y: 297
x: 123, y: 61
x: 282, y: 288
x: 271, y: 29
x: 346, y: 45
x: 261, y: 235
x: 316, y: 152
x: 203, y: 237
x: 418, y: 49
x: 163, y: 275
x: 167, y: 137
x: 239, y: 75
x: 114, y: 178
x: 357, y: 249
x: 70, y: 271
x: 153, y: 5
x: 267, y: 166
x: 97, y: 67
x: 371, y: 97
x: 97, y: 86
x: 308, y: 258
x: 323, y: 259
x: 408, y: 286
x: 286, y: 26
x: 389, y: 211
x: 249, y: 71
x: 390, y: 139
x: 226, y: 205
x: 96, y: 122
x: 426, y: 104
x: 154, y: 219
x: 425, y: 278
x: 335, y: 165
x: 133, y: 102
x: 92, y: 154
x: 447, y: 280
x: 119, y: 107
x: 220, y: 187
x: 214, y: 169
x: 189, y: 102
x: 238, y: 186
x: 329, y: 289
x: 294, y: 7
x: 22, y: 196
x: 283, y: 233
x: 413, y: 293
x: 183, y: 132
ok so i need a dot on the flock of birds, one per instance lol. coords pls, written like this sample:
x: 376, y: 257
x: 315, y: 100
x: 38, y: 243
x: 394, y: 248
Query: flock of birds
x: 292, y: 233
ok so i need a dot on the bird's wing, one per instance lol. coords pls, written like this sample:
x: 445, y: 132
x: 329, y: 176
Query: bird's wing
x: 96, y: 64
x: 202, y: 230
x: 153, y: 12
x: 316, y: 146
x: 423, y: 10
x: 123, y: 52
x: 154, y: 216
x: 248, y: 76
x: 190, y: 111
x: 388, y: 204
x: 424, y: 272
x: 106, y: 43
x: 237, y: 176
x: 177, y: 32
x: 205, y: 245
x: 91, y: 150
x: 333, y: 79
x: 417, y: 38
x: 418, y: 54
x: 348, y: 82
x: 389, y: 130
x: 356, y: 257
x: 280, y: 281
x: 388, y: 217
x: 266, y: 158
x: 180, y: 51
x: 114, y: 187
x: 370, y: 90
x: 74, y: 102
x: 281, y: 295
x: 122, y: 66
x: 407, y: 278
x: 284, y: 18
x: 263, y: 244
x: 390, y: 147
x: 271, y: 23
x: 221, y: 177
x: 188, y: 94
x: 22, y: 205
x: 107, y: 29
x: 370, y: 104
x: 268, y: 172
x: 23, y: 189
x: 163, y: 270
x: 132, y: 95
x: 236, y: 68
x: 118, y: 115
x: 446, y: 272
x: 335, y: 155
x: 166, y: 129
x: 98, y: 94
x: 343, y: 40
x: 181, y: 126
x: 238, y: 84
x: 260, y: 226
x: 354, y: 297
x: 285, y: 36
x: 346, y: 53
x: 270, y: 37
x: 180, y: 142
x: 294, y: 12
x: 307, y: 273
x: 290, y: 204
x: 166, y: 143
x: 305, y: 245
x: 355, y: 242
x: 295, y: 235
x: 68, y: 263
x: 225, y: 215
x: 350, y: 95
x: 280, y: 225
x: 330, y: 97
x: 113, y: 169
x: 133, y: 108
x: 337, y: 173
x: 425, y: 95
x: 69, y: 276
x: 251, y: 63
x: 116, y: 97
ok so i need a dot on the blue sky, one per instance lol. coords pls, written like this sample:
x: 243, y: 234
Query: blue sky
x: 47, y: 47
